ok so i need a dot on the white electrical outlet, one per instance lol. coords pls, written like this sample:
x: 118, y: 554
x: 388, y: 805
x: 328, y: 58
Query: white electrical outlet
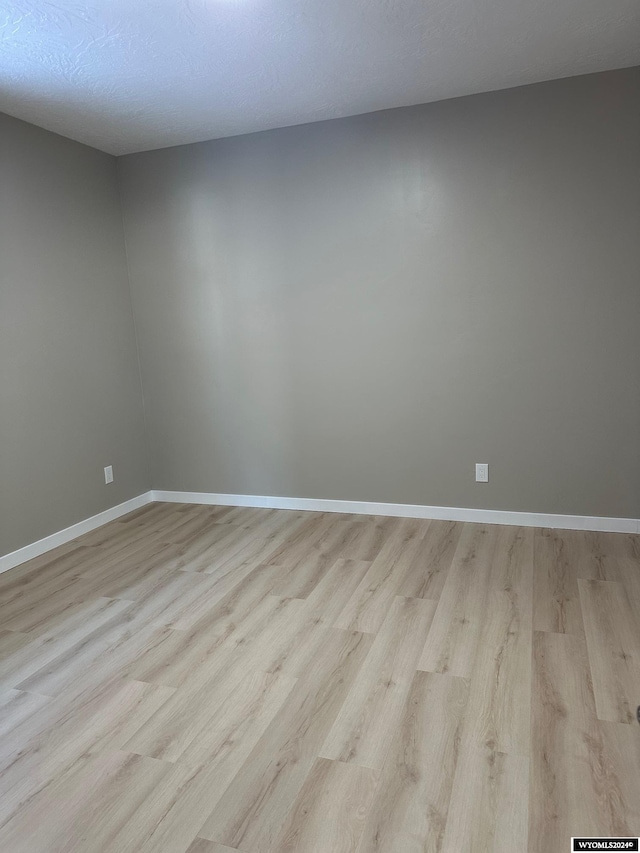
x: 108, y: 474
x: 482, y: 472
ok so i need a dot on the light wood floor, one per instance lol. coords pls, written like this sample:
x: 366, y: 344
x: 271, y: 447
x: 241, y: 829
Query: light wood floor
x: 210, y: 679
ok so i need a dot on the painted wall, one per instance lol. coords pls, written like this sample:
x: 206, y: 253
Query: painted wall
x: 70, y: 398
x: 364, y: 308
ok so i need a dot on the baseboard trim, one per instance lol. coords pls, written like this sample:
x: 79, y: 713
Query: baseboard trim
x: 69, y: 533
x: 446, y: 513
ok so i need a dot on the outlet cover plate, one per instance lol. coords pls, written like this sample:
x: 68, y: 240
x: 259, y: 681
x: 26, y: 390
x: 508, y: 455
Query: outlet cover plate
x: 482, y: 472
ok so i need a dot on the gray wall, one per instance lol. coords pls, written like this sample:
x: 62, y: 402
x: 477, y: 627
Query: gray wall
x: 364, y: 308
x: 70, y: 400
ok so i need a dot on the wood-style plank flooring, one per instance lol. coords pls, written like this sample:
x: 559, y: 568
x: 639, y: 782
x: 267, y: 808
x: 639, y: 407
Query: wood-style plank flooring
x: 195, y: 679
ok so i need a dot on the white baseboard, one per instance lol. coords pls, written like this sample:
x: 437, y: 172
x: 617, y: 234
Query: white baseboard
x: 69, y: 533
x: 446, y: 513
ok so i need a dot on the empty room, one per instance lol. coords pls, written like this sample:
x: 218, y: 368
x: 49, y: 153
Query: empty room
x: 319, y: 426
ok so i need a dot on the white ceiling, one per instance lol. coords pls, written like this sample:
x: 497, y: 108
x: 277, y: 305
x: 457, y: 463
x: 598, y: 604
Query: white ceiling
x: 129, y: 75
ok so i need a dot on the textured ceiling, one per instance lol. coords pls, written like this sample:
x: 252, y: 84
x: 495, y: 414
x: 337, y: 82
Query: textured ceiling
x: 129, y: 75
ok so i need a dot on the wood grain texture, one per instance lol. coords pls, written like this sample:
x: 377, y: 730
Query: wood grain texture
x: 371, y: 711
x: 462, y: 608
x: 499, y: 706
x: 330, y: 810
x: 429, y: 562
x: 489, y: 803
x: 409, y: 813
x: 64, y: 815
x: 253, y: 809
x: 577, y: 785
x: 556, y: 600
x: 201, y: 845
x: 612, y: 631
x: 198, y: 679
x: 368, y: 606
